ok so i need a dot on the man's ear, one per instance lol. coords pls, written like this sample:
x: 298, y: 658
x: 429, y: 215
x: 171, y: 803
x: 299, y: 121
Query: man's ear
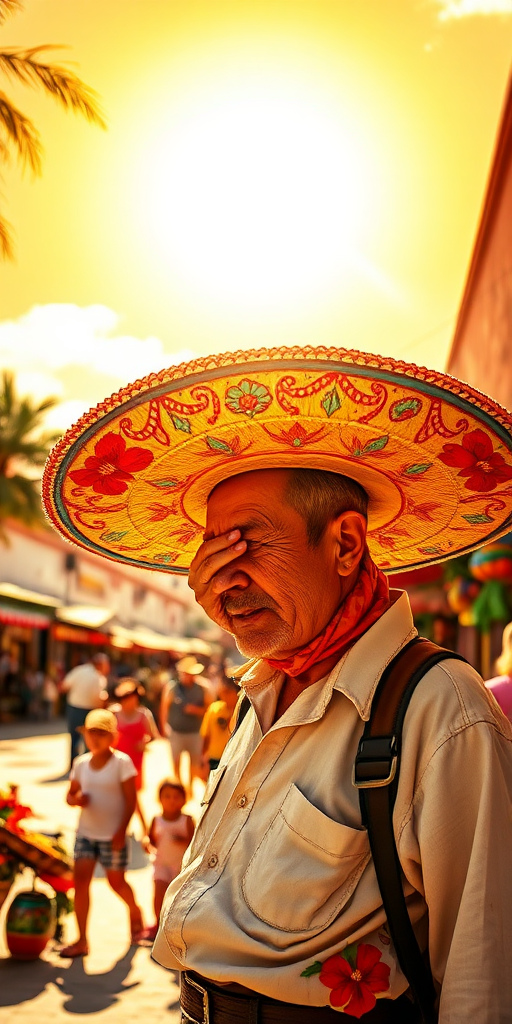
x: 350, y: 536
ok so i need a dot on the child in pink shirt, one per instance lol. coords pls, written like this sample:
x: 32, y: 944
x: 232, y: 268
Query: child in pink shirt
x: 169, y: 835
x: 136, y: 728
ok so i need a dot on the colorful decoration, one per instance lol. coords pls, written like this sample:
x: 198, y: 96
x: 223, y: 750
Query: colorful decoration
x: 44, y: 854
x: 461, y: 594
x: 30, y: 924
x: 494, y: 561
x: 354, y: 976
x: 32, y: 918
x: 11, y: 811
x: 434, y: 455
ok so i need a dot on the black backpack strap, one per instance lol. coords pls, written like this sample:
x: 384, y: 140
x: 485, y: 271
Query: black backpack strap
x: 376, y: 771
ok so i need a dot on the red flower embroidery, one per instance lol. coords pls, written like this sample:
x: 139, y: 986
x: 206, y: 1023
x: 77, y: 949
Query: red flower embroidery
x: 112, y: 465
x: 475, y: 458
x: 353, y: 987
x: 297, y: 436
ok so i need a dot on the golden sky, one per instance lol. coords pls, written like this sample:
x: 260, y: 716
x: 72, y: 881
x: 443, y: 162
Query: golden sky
x: 306, y: 172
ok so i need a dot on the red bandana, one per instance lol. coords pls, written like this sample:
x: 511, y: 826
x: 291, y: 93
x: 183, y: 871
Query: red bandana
x: 365, y: 603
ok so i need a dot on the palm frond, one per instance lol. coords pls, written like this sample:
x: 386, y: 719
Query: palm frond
x: 67, y: 88
x: 22, y: 133
x: 8, y: 7
x: 6, y: 242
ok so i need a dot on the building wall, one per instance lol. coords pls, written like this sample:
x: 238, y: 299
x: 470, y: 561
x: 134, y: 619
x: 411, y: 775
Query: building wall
x: 36, y: 560
x: 480, y: 351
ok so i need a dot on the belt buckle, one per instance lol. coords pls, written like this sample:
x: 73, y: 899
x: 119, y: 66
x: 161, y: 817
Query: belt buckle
x: 206, y: 1005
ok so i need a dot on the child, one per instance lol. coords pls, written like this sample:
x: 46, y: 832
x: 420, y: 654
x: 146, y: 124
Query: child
x: 215, y: 724
x: 136, y: 728
x: 170, y: 834
x: 102, y: 783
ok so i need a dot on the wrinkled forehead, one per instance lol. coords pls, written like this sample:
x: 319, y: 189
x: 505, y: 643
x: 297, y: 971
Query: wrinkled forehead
x: 258, y: 484
x: 259, y: 493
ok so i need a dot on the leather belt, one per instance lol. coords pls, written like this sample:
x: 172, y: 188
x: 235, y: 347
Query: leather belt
x: 202, y: 1002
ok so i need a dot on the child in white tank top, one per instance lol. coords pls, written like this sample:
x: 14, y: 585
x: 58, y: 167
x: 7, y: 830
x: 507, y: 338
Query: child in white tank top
x: 169, y: 835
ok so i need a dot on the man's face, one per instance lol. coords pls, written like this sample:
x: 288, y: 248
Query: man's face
x: 280, y: 592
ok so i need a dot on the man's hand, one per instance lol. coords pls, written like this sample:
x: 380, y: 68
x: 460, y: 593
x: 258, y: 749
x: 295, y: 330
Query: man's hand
x: 119, y: 839
x: 211, y: 573
x: 81, y: 799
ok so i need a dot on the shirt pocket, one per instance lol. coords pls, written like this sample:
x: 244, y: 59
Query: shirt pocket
x: 305, y: 869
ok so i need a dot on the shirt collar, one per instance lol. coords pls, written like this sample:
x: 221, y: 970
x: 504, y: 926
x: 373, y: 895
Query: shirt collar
x: 356, y: 674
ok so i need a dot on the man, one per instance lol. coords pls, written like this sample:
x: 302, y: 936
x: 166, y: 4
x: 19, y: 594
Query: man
x: 277, y: 914
x: 182, y: 708
x: 86, y: 689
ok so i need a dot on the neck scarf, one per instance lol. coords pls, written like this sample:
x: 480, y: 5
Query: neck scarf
x: 366, y: 602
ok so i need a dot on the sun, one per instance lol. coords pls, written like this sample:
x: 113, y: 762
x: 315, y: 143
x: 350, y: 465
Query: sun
x: 257, y: 192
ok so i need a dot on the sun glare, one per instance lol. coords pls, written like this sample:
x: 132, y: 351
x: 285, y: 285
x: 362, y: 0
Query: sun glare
x: 257, y: 195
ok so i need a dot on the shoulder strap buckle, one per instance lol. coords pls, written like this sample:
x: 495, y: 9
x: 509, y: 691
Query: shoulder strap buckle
x: 376, y: 762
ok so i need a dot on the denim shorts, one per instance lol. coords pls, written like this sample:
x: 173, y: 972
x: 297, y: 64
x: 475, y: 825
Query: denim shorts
x: 101, y: 849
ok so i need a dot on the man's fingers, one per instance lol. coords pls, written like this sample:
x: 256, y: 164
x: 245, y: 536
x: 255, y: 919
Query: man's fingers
x: 208, y: 562
x: 211, y: 545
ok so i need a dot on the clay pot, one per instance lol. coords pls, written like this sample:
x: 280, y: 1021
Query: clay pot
x: 30, y: 924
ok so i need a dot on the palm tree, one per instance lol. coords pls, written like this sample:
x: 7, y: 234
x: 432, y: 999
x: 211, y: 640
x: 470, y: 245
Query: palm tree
x: 18, y: 132
x: 24, y: 445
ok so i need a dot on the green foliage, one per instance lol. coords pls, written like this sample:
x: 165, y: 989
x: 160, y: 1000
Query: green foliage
x: 312, y: 969
x: 24, y: 445
x: 491, y: 605
x: 456, y: 567
x: 18, y: 133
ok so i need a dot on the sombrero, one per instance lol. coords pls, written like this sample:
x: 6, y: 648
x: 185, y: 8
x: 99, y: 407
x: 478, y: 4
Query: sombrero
x: 130, y: 481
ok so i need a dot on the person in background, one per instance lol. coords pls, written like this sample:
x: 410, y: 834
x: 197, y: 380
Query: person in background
x: 169, y: 836
x: 182, y: 709
x: 136, y: 728
x: 102, y: 784
x: 215, y: 725
x: 86, y: 688
x: 501, y: 685
x: 49, y: 697
x: 155, y: 678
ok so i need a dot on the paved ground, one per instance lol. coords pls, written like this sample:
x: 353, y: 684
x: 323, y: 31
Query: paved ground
x: 115, y: 982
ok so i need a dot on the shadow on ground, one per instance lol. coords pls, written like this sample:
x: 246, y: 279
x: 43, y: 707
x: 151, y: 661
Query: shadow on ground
x: 83, y: 993
x: 29, y: 727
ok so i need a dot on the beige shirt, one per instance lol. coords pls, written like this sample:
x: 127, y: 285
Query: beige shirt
x: 279, y: 873
x: 84, y: 686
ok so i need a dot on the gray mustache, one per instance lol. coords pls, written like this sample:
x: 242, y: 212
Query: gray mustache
x: 247, y: 602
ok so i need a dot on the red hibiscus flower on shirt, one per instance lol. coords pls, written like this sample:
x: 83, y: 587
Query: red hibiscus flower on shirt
x: 112, y: 466
x: 353, y: 985
x: 476, y: 460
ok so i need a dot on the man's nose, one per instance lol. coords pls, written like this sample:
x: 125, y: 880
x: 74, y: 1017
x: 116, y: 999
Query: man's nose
x: 230, y: 578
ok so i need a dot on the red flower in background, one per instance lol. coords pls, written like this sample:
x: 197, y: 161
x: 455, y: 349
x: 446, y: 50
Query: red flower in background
x: 112, y: 465
x: 352, y: 986
x: 476, y: 460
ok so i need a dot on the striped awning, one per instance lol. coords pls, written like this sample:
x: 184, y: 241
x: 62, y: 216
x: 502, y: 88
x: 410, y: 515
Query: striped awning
x: 22, y: 616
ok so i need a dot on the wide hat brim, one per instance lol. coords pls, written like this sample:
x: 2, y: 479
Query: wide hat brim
x: 131, y: 480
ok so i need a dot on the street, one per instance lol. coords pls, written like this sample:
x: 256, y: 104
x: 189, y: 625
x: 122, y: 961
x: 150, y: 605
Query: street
x: 115, y: 982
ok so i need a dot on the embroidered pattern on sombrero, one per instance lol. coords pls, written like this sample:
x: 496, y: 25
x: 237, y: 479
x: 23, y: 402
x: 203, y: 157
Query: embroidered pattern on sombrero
x: 131, y: 479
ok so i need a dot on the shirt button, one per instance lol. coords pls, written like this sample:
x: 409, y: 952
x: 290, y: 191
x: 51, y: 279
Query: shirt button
x: 213, y: 861
x: 242, y: 800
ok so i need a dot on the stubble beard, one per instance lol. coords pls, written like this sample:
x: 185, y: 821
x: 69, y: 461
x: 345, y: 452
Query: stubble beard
x: 265, y: 643
x: 257, y: 642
